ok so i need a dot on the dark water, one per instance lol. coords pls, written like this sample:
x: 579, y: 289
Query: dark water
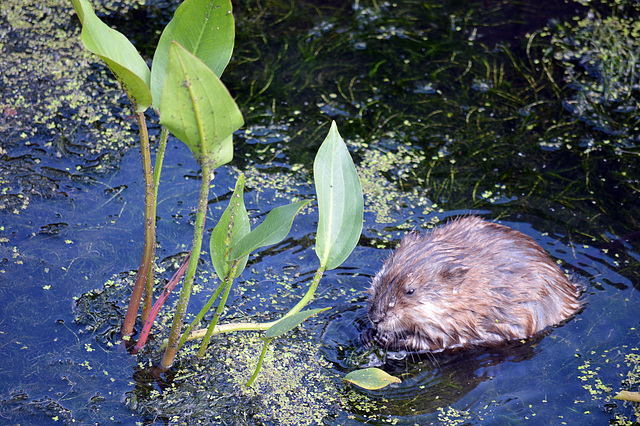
x: 447, y: 109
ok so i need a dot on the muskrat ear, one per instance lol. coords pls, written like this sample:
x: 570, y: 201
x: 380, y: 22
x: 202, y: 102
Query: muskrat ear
x: 453, y: 270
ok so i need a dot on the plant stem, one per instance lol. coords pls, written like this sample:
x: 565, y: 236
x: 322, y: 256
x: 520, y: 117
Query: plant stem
x: 162, y: 147
x: 146, y: 329
x: 308, y: 297
x: 228, y: 328
x: 223, y: 301
x: 185, y: 294
x: 256, y: 326
x: 148, y: 292
x: 144, y: 270
x: 201, y: 314
x: 260, y: 361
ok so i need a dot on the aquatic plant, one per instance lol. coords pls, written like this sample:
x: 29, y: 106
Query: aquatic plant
x: 341, y: 210
x: 184, y: 88
x: 129, y: 67
x: 197, y: 108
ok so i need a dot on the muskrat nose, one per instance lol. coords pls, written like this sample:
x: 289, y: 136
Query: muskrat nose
x: 375, y: 316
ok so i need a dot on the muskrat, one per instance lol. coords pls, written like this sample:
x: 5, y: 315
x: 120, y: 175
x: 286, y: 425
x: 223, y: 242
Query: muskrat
x: 467, y: 283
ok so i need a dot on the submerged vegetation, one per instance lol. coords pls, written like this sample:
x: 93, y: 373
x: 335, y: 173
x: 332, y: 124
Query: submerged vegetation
x: 600, y: 60
x: 294, y: 387
x: 489, y: 115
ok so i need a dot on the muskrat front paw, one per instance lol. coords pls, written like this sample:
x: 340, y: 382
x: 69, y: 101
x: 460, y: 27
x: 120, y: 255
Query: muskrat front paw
x: 383, y: 340
x: 371, y: 336
x: 367, y: 336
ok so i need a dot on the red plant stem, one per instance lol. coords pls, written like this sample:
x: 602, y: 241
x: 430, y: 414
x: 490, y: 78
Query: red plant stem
x: 144, y: 334
x: 147, y: 301
x: 148, y: 289
x: 144, y: 270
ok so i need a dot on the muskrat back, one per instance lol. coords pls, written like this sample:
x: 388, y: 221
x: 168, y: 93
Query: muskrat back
x: 469, y: 282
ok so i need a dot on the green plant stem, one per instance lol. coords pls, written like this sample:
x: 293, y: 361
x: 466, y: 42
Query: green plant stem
x: 162, y: 147
x: 201, y: 314
x: 144, y: 270
x: 147, y: 302
x: 226, y: 328
x: 255, y: 326
x: 223, y: 301
x: 148, y: 292
x: 260, y: 361
x: 308, y: 297
x: 185, y: 294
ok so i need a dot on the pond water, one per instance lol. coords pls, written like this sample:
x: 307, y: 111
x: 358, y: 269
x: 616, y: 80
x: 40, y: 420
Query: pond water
x: 506, y: 111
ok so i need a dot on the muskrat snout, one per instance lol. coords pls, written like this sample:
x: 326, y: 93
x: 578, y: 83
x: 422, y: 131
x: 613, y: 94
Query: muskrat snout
x: 378, y: 311
x: 375, y: 316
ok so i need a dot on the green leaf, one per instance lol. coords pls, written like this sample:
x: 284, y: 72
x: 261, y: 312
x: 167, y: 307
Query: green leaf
x: 198, y: 109
x: 290, y: 322
x: 118, y: 53
x: 232, y: 226
x: 371, y: 378
x: 340, y: 201
x: 205, y: 28
x: 628, y: 396
x: 272, y: 230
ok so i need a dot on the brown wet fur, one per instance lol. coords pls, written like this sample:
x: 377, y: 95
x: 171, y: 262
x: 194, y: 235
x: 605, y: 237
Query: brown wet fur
x: 467, y: 283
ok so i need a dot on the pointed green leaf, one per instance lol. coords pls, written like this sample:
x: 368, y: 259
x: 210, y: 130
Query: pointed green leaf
x: 371, y: 378
x: 628, y: 396
x: 232, y: 226
x: 205, y: 28
x: 272, y: 230
x: 118, y: 53
x: 340, y: 201
x: 290, y: 322
x: 198, y: 109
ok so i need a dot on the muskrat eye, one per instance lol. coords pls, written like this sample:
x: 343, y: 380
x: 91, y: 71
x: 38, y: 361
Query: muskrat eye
x: 410, y: 292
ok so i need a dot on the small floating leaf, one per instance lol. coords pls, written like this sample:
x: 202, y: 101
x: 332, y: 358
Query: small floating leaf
x: 371, y: 378
x: 272, y: 230
x: 290, y: 322
x: 628, y: 396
